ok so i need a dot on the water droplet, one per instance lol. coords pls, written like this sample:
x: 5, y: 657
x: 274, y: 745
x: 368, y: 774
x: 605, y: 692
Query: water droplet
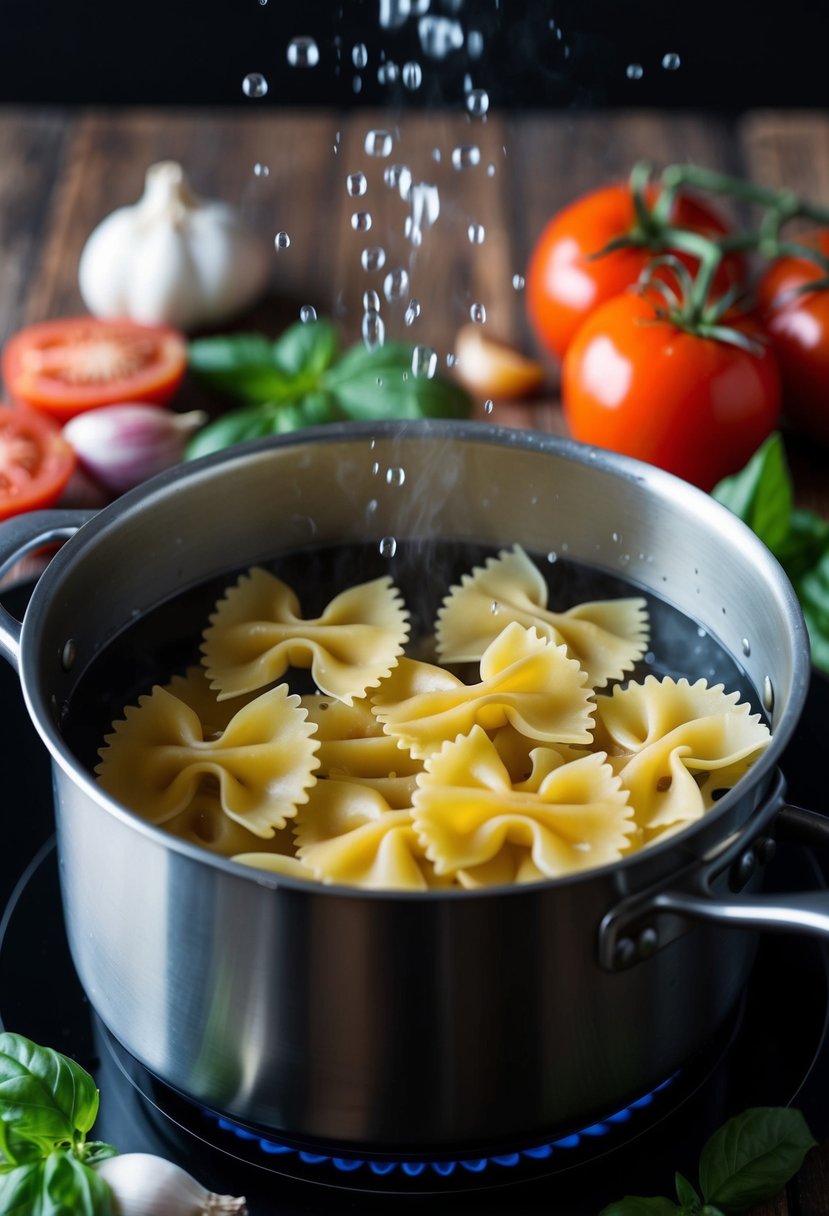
x: 387, y: 73
x: 374, y: 331
x: 356, y: 184
x: 768, y: 694
x: 375, y: 469
x: 260, y: 170
x: 361, y: 221
x: 477, y: 313
x: 490, y: 170
x: 475, y: 44
x: 412, y: 312
x: 359, y: 55
x: 378, y: 143
x: 477, y: 102
x: 303, y: 53
x: 388, y: 546
x: 634, y: 71
x: 466, y: 156
x: 254, y: 85
x: 371, y: 300
x: 494, y: 607
x: 489, y: 406
x: 552, y: 557
x: 476, y: 234
x: 357, y: 84
x: 399, y: 177
x: 746, y: 647
x: 412, y: 75
x: 371, y: 506
x: 701, y: 633
x: 307, y: 313
x: 671, y: 61
x: 424, y: 362
x: 281, y: 241
x: 373, y: 258
x: 518, y: 282
x: 396, y: 476
x: 439, y: 36
x: 425, y: 201
x: 394, y: 12
x: 436, y: 154
x: 396, y: 284
x: 616, y: 537
x: 451, y: 359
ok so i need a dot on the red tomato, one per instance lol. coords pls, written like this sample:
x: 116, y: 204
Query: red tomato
x: 798, y: 325
x: 695, y: 406
x: 77, y: 363
x: 36, y: 462
x: 565, y: 283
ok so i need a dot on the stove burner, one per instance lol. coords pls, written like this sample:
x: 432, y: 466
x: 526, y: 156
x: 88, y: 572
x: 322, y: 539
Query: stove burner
x: 414, y: 1168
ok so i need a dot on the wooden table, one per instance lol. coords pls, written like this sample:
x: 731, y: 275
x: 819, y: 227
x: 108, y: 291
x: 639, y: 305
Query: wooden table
x: 61, y: 172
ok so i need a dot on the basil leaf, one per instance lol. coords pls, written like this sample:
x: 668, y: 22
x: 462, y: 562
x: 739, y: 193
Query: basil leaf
x: 241, y: 364
x: 805, y: 544
x: 687, y: 1196
x: 761, y: 493
x: 812, y: 589
x: 58, y: 1185
x: 21, y: 1189
x: 752, y: 1157
x: 250, y: 423
x: 306, y: 349
x: 97, y: 1150
x: 47, y: 1097
x: 635, y: 1205
x: 376, y: 384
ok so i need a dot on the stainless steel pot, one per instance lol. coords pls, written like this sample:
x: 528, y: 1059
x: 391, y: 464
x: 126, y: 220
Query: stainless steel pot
x: 404, y: 1022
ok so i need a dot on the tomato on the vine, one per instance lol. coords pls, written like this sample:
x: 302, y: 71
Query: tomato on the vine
x: 72, y: 364
x: 566, y: 282
x: 635, y: 382
x: 36, y: 462
x: 797, y: 322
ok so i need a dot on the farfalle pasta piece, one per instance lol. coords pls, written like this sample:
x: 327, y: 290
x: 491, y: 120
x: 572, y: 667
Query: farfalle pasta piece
x: 157, y: 761
x: 205, y: 823
x: 525, y: 681
x: 607, y: 637
x: 257, y: 632
x: 277, y: 863
x: 674, y: 743
x: 568, y: 816
x: 347, y: 833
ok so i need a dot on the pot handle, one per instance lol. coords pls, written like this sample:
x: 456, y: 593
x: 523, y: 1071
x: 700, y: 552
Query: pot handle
x: 641, y: 924
x: 19, y: 536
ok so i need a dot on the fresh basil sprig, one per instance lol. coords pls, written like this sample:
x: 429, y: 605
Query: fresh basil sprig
x: 301, y: 380
x: 48, y: 1104
x: 761, y: 495
x: 748, y: 1161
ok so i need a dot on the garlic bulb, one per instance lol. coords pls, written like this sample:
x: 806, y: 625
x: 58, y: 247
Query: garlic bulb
x: 143, y: 1185
x: 122, y: 445
x: 172, y: 258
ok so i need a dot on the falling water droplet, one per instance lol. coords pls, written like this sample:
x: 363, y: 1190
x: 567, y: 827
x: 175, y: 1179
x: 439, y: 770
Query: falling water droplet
x: 373, y: 258
x: 378, y: 143
x: 387, y: 73
x: 399, y: 177
x: 359, y: 55
x: 475, y: 44
x: 634, y: 71
x: 466, y: 156
x: 477, y: 102
x: 388, y: 546
x: 439, y: 36
x: 374, y: 331
x: 476, y: 234
x: 307, y: 313
x: 361, y: 221
x: 424, y: 362
x: 489, y: 405
x: 671, y: 61
x: 356, y: 184
x: 260, y: 170
x: 254, y: 85
x: 371, y: 300
x: 395, y: 476
x: 303, y: 53
x: 281, y: 241
x: 412, y: 75
x: 394, y: 12
x: 412, y: 312
x: 357, y: 84
x: 518, y: 282
x: 552, y: 557
x: 477, y: 314
x: 396, y: 284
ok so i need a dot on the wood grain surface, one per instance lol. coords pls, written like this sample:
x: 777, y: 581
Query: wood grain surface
x: 62, y: 171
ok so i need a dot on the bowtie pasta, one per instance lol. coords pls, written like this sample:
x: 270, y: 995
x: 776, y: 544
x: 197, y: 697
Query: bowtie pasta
x: 402, y: 774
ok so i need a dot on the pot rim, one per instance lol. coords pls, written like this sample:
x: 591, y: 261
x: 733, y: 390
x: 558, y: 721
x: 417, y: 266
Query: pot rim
x: 634, y: 471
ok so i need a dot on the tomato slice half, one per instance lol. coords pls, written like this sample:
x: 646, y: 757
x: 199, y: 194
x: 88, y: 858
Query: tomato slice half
x: 36, y: 462
x: 72, y: 364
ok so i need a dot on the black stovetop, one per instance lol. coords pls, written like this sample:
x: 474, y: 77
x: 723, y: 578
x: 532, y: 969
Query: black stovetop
x: 775, y: 1053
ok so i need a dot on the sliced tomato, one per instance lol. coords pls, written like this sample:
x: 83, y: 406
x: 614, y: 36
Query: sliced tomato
x: 65, y: 366
x: 36, y: 462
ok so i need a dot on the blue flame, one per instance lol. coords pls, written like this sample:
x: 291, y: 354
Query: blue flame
x: 445, y: 1169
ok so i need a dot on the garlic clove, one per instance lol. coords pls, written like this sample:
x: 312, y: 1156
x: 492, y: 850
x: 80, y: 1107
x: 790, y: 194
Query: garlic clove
x: 123, y: 445
x: 145, y: 1185
x: 172, y: 257
x: 492, y: 368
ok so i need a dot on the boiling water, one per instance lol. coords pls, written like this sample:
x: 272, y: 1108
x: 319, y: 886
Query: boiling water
x: 166, y: 640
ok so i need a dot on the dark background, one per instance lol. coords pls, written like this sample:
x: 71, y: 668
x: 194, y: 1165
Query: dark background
x: 537, y: 53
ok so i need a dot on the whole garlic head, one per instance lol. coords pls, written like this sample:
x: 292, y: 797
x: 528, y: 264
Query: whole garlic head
x: 172, y: 258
